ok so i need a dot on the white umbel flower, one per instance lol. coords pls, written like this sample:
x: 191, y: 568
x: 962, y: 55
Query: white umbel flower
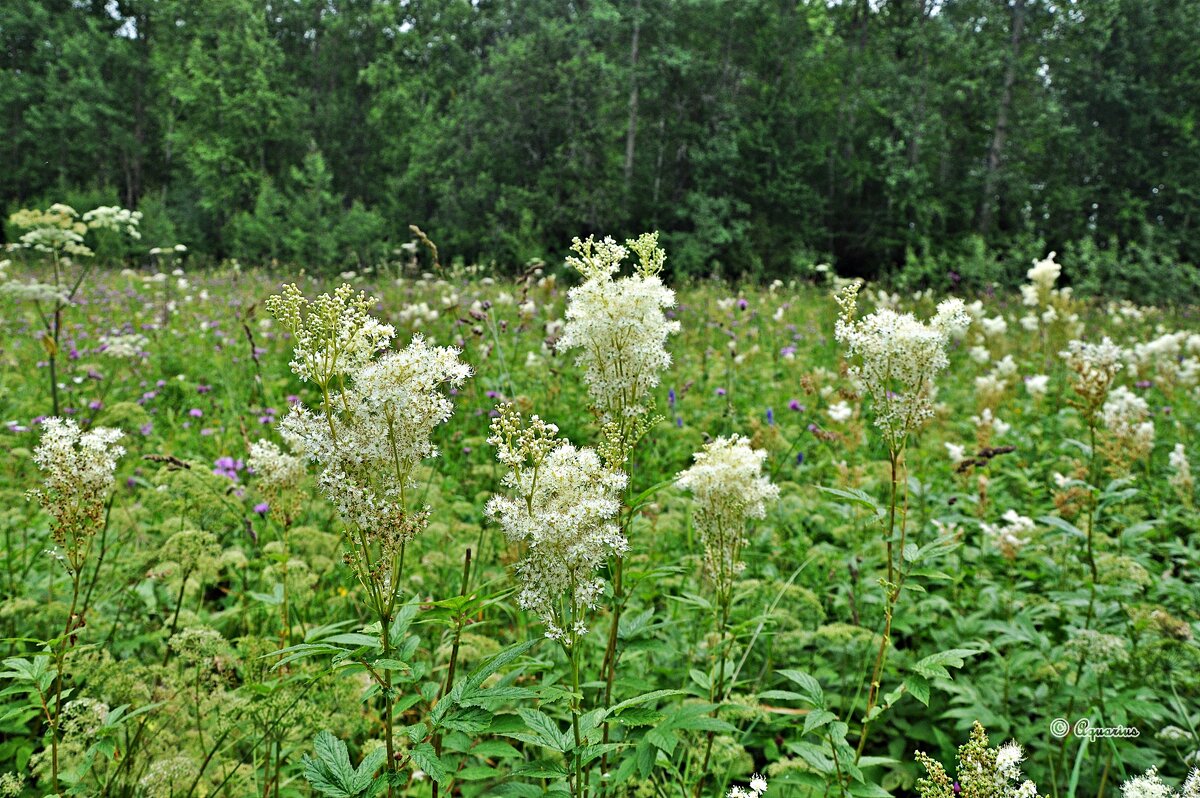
x: 729, y: 489
x: 561, y: 503
x: 124, y: 346
x: 897, y: 359
x: 618, y: 325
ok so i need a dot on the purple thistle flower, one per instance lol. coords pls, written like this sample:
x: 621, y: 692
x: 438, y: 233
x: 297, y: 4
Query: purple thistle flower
x: 720, y: 392
x: 796, y: 406
x: 262, y: 508
x: 228, y: 467
x: 195, y: 412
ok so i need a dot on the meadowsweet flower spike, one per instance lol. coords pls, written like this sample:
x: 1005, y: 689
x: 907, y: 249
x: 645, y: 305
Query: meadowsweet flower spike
x: 333, y: 336
x: 370, y: 437
x: 561, y: 502
x: 78, y: 468
x: 729, y: 488
x: 619, y: 325
x: 1096, y: 366
x: 897, y: 358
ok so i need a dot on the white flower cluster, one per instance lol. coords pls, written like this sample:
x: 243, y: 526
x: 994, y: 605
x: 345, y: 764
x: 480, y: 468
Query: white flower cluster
x: 113, y: 217
x: 1042, y: 278
x: 755, y: 789
x: 1095, y: 365
x: 1151, y: 785
x: 1172, y: 358
x: 376, y: 421
x: 275, y: 467
x: 333, y: 336
x: 1008, y: 770
x: 619, y: 325
x: 1037, y: 385
x: 990, y: 387
x: 78, y: 473
x: 1040, y: 294
x: 1011, y: 536
x: 54, y: 230
x: 898, y: 358
x: 124, y: 346
x: 370, y: 436
x: 562, y: 503
x: 34, y: 292
x: 988, y: 423
x: 729, y: 488
x: 1127, y: 419
x: 1181, y: 473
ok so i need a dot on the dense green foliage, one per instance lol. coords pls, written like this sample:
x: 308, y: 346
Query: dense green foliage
x: 216, y: 645
x: 760, y: 136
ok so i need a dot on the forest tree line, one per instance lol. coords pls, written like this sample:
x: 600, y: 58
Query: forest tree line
x: 760, y: 136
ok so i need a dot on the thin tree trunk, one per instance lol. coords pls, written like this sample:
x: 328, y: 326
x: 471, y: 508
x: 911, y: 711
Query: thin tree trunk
x: 1000, y: 134
x: 631, y: 130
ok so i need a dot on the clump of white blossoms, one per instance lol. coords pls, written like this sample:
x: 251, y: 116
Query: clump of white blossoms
x: 374, y: 426
x: 279, y: 475
x: 1040, y: 294
x: 898, y: 358
x: 114, y: 217
x: 620, y: 329
x: 1042, y: 279
x: 78, y: 474
x: 1011, y: 536
x: 124, y: 346
x: 1151, y: 785
x: 983, y: 772
x: 1181, y: 474
x: 274, y: 466
x: 333, y: 336
x: 755, y: 789
x: 562, y: 503
x: 1127, y: 420
x: 1095, y: 366
x: 729, y: 489
x: 1037, y: 385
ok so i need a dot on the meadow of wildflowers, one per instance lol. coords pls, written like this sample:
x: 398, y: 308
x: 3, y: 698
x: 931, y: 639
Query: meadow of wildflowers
x: 588, y: 533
